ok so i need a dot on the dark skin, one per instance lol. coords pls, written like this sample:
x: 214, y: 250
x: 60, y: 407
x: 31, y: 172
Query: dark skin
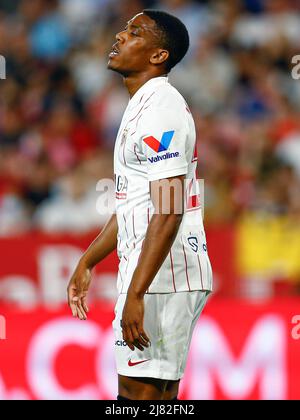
x: 138, y: 57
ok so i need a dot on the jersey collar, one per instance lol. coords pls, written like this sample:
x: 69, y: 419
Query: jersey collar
x: 148, y: 87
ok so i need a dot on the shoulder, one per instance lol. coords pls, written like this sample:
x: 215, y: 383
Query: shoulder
x: 165, y: 102
x: 168, y: 96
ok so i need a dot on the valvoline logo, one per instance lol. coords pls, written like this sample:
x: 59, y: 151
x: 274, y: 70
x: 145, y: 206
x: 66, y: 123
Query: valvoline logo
x: 161, y: 146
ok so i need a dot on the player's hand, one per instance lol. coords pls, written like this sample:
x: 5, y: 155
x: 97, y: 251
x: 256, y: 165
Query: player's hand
x: 133, y: 323
x: 77, y: 291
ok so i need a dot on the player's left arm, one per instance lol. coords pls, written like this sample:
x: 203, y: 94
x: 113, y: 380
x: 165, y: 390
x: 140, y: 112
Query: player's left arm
x: 168, y: 199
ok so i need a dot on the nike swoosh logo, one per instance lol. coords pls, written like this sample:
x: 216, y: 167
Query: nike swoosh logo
x: 130, y: 363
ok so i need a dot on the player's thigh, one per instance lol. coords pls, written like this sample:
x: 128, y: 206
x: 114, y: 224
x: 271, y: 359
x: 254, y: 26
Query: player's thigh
x: 142, y: 388
x: 171, y: 391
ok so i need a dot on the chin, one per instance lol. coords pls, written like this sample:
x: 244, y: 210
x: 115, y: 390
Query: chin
x: 110, y: 65
x: 113, y: 67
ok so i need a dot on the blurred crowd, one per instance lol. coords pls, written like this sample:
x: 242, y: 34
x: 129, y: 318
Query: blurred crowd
x: 60, y: 107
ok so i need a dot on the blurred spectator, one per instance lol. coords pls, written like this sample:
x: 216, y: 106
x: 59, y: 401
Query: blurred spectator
x: 48, y: 35
x: 278, y: 21
x: 13, y: 215
x: 289, y: 151
x: 213, y: 73
x: 79, y: 14
x: 196, y: 16
x: 73, y: 206
x: 89, y: 65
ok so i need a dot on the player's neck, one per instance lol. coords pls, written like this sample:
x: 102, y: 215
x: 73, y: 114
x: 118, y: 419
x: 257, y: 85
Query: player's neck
x: 134, y: 83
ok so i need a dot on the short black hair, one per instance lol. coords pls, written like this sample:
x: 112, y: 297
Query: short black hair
x: 173, y: 33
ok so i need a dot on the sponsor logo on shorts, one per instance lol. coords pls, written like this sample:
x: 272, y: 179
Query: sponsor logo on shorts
x: 120, y: 343
x: 130, y: 363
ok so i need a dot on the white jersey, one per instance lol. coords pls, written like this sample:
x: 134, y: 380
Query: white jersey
x: 157, y: 140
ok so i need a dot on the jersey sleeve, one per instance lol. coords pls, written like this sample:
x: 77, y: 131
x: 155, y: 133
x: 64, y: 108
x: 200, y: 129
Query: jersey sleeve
x: 164, y: 137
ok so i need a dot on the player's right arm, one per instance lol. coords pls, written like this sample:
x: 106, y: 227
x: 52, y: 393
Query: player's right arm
x: 103, y: 245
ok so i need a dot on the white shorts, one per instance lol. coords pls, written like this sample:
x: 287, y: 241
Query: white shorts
x: 169, y: 322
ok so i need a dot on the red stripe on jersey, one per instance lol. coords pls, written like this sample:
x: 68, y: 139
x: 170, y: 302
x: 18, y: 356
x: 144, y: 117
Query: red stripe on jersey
x: 209, y: 274
x: 125, y: 225
x: 199, y: 263
x: 195, y: 154
x: 121, y: 196
x: 122, y: 281
x: 192, y: 200
x: 137, y: 155
x: 143, y: 243
x: 137, y: 121
x: 172, y: 268
x: 141, y: 108
x: 186, y: 268
x: 127, y: 266
x: 141, y: 98
x: 126, y: 229
x: 124, y: 153
x: 187, y: 107
x: 133, y: 227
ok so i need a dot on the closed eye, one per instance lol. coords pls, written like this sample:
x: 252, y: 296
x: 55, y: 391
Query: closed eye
x: 132, y: 32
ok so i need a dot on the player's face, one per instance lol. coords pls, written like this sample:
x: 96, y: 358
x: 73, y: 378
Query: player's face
x: 134, y: 47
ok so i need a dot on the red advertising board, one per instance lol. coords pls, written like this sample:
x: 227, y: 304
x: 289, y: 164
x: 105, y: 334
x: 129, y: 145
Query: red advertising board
x: 36, y: 268
x: 239, y: 351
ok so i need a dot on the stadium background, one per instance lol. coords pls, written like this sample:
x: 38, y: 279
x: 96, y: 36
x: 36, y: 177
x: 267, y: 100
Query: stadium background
x: 59, y: 112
